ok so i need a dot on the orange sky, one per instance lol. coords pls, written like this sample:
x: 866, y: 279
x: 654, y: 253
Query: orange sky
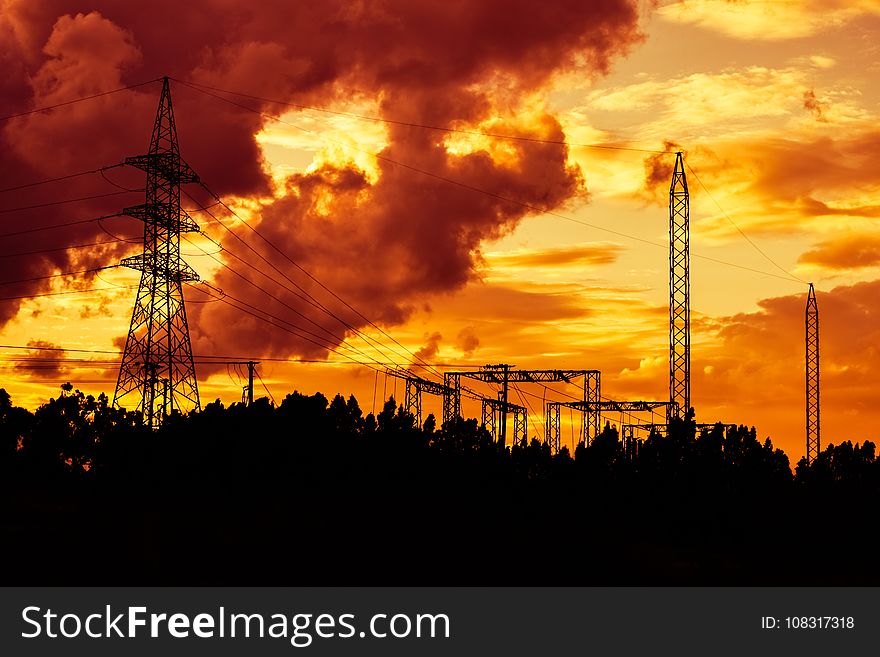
x: 771, y: 101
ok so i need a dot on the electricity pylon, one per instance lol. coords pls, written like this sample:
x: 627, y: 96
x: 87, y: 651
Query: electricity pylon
x: 679, y: 290
x: 157, y: 366
x: 812, y: 367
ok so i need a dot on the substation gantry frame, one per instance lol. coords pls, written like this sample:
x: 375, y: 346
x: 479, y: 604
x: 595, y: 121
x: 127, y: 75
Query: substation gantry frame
x: 504, y: 375
x: 493, y: 418
x: 415, y: 386
x: 492, y: 410
x: 595, y: 409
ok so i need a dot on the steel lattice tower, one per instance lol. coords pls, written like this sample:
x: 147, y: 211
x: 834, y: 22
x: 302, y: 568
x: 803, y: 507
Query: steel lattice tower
x: 157, y: 366
x: 812, y: 367
x: 679, y: 290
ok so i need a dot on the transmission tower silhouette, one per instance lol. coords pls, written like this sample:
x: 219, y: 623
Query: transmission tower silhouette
x: 679, y: 290
x: 157, y: 366
x: 812, y: 367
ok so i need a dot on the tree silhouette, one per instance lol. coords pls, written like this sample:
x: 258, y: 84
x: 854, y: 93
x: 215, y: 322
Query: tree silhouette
x: 234, y: 493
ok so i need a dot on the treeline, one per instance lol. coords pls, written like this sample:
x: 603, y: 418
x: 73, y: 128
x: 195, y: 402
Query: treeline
x: 314, y: 491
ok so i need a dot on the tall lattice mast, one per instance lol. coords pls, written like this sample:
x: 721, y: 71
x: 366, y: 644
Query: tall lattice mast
x: 812, y: 367
x: 157, y: 366
x: 679, y: 290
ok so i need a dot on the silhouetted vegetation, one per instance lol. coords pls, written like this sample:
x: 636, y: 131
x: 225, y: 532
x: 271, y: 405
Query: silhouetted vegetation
x: 315, y: 492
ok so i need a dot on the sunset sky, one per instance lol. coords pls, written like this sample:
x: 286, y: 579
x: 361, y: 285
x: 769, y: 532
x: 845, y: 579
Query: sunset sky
x: 433, y: 235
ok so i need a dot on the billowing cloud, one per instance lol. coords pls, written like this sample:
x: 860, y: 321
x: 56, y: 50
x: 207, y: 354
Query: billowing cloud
x: 400, y: 234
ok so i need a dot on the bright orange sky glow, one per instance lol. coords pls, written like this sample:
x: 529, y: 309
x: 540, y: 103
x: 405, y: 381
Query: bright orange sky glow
x: 774, y: 103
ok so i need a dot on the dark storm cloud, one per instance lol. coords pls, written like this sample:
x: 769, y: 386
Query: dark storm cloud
x: 384, y: 245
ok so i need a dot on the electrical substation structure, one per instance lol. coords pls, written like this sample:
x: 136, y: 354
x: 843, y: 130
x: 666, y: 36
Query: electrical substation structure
x: 503, y: 375
x: 595, y: 409
x: 494, y: 415
x: 415, y: 386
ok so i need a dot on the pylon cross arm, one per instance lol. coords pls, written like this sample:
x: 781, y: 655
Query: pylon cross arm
x: 167, y: 165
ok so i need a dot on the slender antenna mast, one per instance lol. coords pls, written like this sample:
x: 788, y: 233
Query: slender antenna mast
x: 812, y: 368
x: 679, y: 291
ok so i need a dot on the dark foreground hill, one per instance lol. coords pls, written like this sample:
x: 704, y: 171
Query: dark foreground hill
x: 314, y: 493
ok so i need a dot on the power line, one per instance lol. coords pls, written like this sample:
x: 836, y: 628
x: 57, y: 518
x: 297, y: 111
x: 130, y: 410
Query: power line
x: 206, y: 359
x: 310, y: 298
x: 66, y: 273
x: 378, y: 119
x: 473, y: 395
x: 55, y: 294
x: 324, y: 287
x: 131, y: 240
x: 59, y: 361
x: 78, y: 381
x: 265, y: 387
x: 116, y: 184
x: 61, y: 225
x: 263, y: 290
x: 339, y: 340
x: 548, y: 388
x: 294, y: 328
x: 41, y: 348
x: 531, y: 410
x: 292, y: 331
x: 111, y: 283
x: 740, y: 230
x: 68, y: 200
x: 45, y: 181
x: 62, y: 248
x: 77, y: 100
x: 288, y: 258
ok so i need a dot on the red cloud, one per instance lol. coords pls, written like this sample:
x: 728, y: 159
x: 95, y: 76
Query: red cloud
x: 429, y: 352
x: 850, y: 252
x: 383, y: 245
x: 789, y: 171
x: 658, y: 171
x: 467, y: 341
